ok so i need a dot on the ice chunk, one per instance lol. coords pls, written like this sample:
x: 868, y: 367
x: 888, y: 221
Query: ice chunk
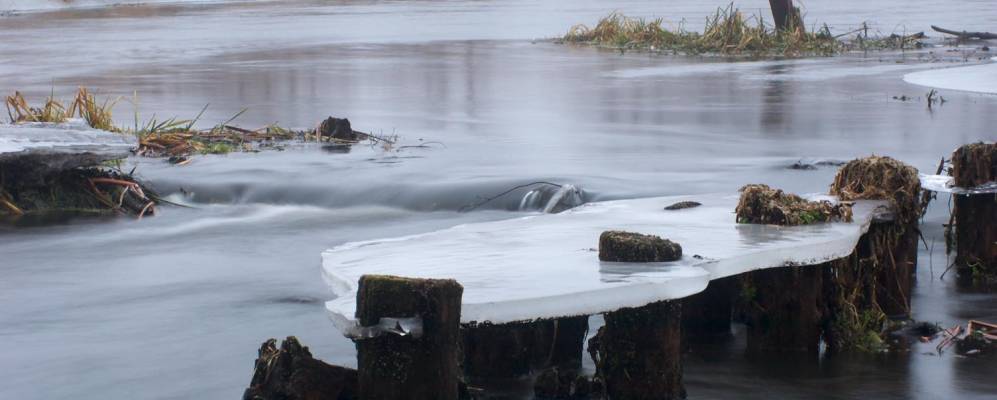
x: 60, y: 146
x: 547, y: 266
x: 944, y: 184
x: 974, y: 78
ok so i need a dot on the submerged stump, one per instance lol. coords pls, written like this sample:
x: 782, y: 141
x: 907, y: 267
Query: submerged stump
x: 517, y: 349
x: 976, y: 214
x: 783, y: 308
x: 290, y: 373
x: 706, y: 316
x: 393, y: 366
x: 638, y: 353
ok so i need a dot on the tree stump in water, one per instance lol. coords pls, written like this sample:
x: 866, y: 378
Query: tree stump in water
x: 786, y: 15
x: 975, y: 214
x: 783, y: 308
x: 706, y: 315
x: 517, y: 349
x: 292, y: 374
x: 638, y: 352
x: 391, y: 366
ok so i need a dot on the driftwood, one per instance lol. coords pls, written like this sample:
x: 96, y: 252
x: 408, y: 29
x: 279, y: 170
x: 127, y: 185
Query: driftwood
x: 966, y: 35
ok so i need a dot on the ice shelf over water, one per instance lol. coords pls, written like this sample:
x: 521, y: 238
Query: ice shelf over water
x: 944, y: 184
x: 64, y: 145
x: 974, y: 78
x: 547, y: 266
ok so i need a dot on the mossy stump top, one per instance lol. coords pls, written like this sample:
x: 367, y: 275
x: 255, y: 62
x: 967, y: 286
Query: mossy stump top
x: 636, y: 247
x: 761, y: 204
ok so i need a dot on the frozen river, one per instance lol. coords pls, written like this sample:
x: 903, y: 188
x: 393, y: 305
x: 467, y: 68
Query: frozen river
x: 176, y: 306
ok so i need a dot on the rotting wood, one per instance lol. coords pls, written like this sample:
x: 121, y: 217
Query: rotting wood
x: 964, y: 35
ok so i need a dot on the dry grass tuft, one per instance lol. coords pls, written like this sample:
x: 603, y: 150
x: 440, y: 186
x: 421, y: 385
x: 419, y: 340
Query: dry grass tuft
x: 728, y: 32
x: 760, y: 204
x: 881, y: 178
x: 19, y: 111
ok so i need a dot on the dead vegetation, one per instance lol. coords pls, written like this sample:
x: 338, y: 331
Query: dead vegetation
x: 79, y: 191
x: 730, y: 32
x: 178, y: 139
x: 760, y: 204
x: 881, y: 178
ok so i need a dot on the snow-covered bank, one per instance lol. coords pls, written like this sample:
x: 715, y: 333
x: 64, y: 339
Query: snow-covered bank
x: 974, y: 78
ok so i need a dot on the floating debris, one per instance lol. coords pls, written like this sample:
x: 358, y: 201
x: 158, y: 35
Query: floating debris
x: 683, y: 205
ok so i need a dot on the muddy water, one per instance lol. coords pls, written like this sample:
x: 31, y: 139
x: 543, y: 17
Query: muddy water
x: 174, y: 306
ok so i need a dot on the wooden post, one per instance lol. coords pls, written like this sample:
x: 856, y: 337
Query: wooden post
x: 975, y: 214
x: 517, y: 349
x: 392, y: 366
x: 785, y: 14
x: 638, y: 353
x: 706, y: 315
x: 783, y: 310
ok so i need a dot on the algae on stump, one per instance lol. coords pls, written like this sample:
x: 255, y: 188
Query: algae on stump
x: 635, y: 247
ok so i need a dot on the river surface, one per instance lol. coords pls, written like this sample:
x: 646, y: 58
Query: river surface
x: 175, y: 306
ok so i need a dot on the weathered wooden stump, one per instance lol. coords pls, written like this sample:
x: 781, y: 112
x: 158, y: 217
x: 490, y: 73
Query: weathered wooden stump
x: 393, y: 366
x: 290, y: 373
x: 517, y: 349
x: 861, y: 291
x: 706, y: 316
x: 975, y: 215
x: 783, y: 308
x: 891, y: 246
x: 638, y: 352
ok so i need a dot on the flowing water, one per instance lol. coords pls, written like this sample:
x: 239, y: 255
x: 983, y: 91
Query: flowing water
x: 175, y: 306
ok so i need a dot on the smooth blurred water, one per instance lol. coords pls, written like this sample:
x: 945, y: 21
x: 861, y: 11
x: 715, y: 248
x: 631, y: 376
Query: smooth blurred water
x: 176, y: 306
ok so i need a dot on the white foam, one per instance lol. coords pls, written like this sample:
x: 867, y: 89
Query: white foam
x: 546, y: 266
x: 974, y: 78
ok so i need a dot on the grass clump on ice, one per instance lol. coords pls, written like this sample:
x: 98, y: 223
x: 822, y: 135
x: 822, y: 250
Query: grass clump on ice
x: 761, y: 204
x: 173, y: 137
x: 881, y: 178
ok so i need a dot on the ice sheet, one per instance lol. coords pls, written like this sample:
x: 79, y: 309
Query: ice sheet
x: 974, y: 78
x: 44, y: 5
x: 547, y: 266
x: 943, y: 183
x: 70, y: 137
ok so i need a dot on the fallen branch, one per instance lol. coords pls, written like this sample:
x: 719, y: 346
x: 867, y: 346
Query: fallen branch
x: 471, y: 207
x: 966, y: 35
